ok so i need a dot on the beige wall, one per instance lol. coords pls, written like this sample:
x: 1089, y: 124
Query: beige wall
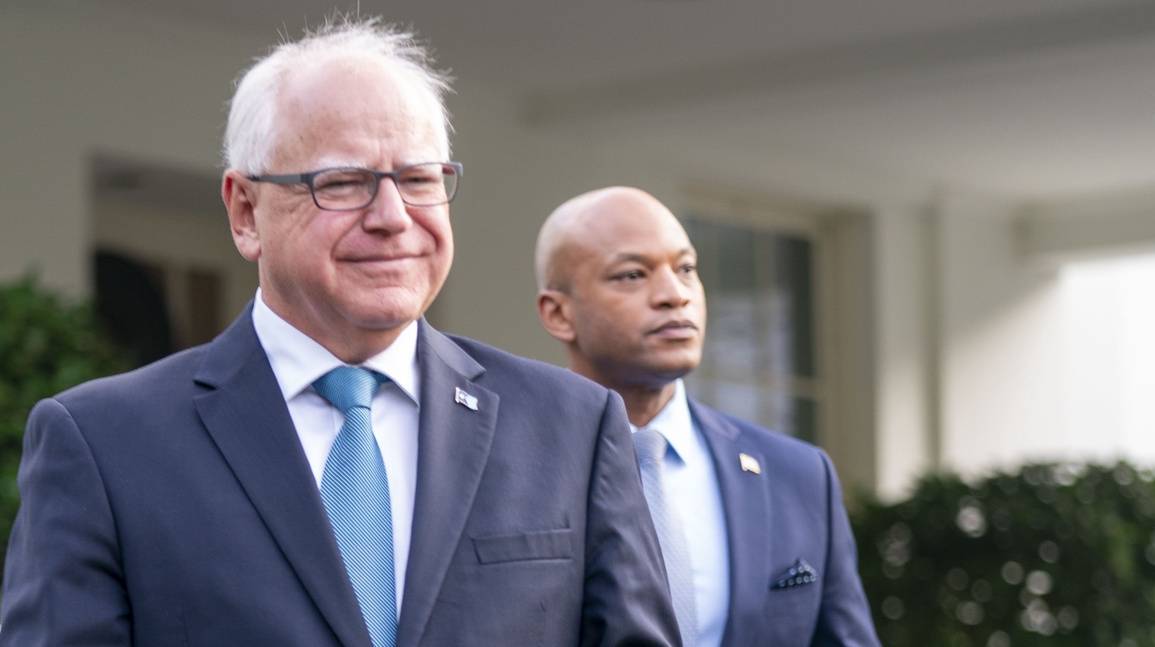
x: 515, y: 176
x: 79, y: 79
x: 1022, y: 380
x: 943, y: 349
x: 999, y: 320
x: 176, y: 238
x: 82, y: 79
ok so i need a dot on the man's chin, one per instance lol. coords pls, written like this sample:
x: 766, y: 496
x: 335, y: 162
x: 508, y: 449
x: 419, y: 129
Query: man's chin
x: 387, y: 310
x: 384, y: 323
x: 676, y: 362
x: 666, y: 372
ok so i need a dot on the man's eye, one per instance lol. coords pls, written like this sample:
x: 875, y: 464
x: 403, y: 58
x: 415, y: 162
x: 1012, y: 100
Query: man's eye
x: 631, y: 275
x: 421, y: 174
x: 337, y: 184
x: 419, y: 178
x: 688, y: 268
x: 339, y: 181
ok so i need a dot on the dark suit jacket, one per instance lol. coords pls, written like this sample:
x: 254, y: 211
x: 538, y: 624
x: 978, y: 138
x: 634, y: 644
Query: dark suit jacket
x: 174, y: 506
x: 789, y: 516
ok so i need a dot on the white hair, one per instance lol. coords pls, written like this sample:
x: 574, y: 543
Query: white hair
x: 252, y: 127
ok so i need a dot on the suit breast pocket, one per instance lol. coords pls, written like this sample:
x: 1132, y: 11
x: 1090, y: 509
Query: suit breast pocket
x: 538, y: 545
x: 511, y: 589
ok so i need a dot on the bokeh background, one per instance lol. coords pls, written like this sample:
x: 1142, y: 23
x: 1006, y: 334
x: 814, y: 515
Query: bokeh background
x: 926, y: 227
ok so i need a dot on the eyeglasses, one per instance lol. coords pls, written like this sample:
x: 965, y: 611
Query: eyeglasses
x: 345, y: 189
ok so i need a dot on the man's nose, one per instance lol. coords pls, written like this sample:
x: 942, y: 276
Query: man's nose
x: 669, y: 290
x: 387, y: 212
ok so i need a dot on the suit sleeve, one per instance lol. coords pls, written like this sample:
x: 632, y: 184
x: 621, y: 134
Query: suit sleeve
x: 63, y: 583
x: 627, y: 600
x: 844, y: 619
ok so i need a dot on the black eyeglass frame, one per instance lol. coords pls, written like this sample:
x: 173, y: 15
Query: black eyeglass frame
x: 307, y: 180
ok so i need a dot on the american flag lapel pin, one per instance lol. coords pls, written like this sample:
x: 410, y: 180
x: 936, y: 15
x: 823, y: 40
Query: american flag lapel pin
x: 749, y: 463
x: 465, y: 399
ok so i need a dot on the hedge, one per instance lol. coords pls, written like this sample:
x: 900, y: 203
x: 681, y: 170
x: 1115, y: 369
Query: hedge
x: 1055, y: 554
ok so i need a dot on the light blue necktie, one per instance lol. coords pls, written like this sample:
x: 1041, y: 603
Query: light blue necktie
x: 355, y: 490
x: 651, y: 448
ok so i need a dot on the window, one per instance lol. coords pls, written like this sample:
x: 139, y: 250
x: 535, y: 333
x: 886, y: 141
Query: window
x: 166, y: 273
x: 760, y: 361
x: 153, y: 308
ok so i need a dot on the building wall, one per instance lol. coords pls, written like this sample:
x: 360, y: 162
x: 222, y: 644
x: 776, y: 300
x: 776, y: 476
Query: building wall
x: 999, y: 317
x: 82, y: 79
x: 945, y: 355
x: 1030, y: 370
x: 79, y: 79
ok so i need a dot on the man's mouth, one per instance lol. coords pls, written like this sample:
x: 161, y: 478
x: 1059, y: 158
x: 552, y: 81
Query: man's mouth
x: 677, y: 329
x: 379, y: 258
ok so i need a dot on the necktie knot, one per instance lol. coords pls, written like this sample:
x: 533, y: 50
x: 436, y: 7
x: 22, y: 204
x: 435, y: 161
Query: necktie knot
x: 346, y: 387
x: 650, y: 446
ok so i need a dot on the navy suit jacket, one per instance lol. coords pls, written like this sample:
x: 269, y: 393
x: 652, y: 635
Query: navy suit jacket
x: 174, y: 506
x: 788, y: 516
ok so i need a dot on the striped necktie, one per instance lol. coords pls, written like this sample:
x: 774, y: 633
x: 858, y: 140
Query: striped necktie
x: 355, y: 490
x: 651, y: 448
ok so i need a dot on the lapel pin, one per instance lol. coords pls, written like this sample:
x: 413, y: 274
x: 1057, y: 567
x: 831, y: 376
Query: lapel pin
x: 466, y: 400
x: 749, y: 463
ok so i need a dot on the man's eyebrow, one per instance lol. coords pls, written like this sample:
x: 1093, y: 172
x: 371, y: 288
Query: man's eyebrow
x: 623, y: 257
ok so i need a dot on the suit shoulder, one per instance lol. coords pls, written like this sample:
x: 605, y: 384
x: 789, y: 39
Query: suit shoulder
x: 762, y: 434
x: 775, y: 445
x: 799, y: 468
x: 164, y: 376
x: 530, y: 376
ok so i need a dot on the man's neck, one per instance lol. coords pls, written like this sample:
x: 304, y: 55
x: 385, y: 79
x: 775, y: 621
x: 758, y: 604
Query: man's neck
x: 352, y: 345
x: 643, y: 403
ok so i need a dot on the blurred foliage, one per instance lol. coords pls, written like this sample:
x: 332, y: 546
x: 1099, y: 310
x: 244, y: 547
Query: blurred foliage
x: 1061, y: 555
x: 46, y: 346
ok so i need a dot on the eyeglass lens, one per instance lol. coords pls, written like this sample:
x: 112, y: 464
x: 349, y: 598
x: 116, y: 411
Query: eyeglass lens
x: 419, y: 185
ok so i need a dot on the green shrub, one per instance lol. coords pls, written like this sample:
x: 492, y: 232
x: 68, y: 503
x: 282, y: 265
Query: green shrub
x: 46, y: 346
x: 1060, y: 555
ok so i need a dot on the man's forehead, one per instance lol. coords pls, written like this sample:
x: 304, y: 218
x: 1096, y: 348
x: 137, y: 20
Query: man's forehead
x: 325, y: 96
x: 346, y: 147
x: 619, y: 228
x: 625, y: 210
x: 326, y: 121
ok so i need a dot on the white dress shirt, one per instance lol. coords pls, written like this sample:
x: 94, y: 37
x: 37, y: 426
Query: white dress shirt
x: 298, y: 361
x: 691, y: 486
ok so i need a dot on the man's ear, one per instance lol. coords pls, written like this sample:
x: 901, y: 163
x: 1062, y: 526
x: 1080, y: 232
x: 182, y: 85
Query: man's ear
x: 237, y: 193
x: 553, y: 309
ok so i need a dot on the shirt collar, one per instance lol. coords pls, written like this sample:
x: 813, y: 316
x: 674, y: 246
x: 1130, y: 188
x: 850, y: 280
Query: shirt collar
x: 675, y: 423
x: 298, y: 360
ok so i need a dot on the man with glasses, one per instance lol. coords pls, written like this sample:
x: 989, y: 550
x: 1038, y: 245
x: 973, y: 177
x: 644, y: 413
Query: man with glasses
x: 751, y: 523
x: 331, y: 470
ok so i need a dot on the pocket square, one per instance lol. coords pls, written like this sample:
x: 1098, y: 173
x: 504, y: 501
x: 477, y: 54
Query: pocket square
x: 799, y: 574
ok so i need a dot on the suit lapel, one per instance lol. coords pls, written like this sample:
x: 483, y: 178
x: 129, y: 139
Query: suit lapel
x: 745, y: 498
x: 454, y: 440
x: 245, y: 414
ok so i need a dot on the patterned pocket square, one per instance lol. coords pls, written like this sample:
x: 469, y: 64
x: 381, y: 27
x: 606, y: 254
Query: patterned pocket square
x: 800, y: 573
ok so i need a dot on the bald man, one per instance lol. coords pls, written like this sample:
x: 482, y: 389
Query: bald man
x: 756, y: 540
